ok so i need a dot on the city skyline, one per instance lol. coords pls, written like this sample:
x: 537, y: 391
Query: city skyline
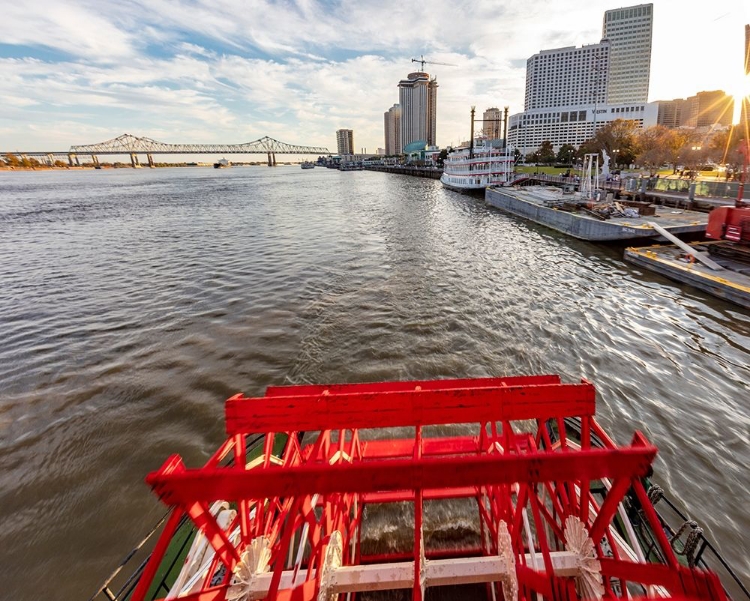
x: 202, y: 72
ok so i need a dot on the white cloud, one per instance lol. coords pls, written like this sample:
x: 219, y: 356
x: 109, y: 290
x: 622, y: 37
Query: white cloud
x: 297, y: 71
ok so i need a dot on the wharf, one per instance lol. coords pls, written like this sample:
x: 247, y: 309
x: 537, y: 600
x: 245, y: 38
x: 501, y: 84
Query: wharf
x: 429, y: 172
x: 695, y: 195
x: 545, y: 206
x: 732, y: 283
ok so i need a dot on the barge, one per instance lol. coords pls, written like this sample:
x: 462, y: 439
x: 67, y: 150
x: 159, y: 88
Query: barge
x: 559, y: 511
x: 582, y: 218
x: 730, y: 283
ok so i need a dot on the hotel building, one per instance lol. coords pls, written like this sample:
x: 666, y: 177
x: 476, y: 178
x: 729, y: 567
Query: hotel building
x: 492, y: 124
x: 571, y: 92
x: 345, y: 141
x: 629, y: 32
x: 418, y: 100
x: 392, y: 123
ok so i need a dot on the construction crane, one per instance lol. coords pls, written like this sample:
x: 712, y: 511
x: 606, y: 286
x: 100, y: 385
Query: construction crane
x: 422, y: 60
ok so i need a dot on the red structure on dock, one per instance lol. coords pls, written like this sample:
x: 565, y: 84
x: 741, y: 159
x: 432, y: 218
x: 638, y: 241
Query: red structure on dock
x: 549, y: 508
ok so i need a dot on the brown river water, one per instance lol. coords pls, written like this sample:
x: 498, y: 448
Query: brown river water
x: 133, y: 303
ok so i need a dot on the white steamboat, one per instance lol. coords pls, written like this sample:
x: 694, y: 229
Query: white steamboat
x: 471, y: 170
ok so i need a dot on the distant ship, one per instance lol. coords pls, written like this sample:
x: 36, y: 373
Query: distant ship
x: 308, y: 165
x: 222, y: 163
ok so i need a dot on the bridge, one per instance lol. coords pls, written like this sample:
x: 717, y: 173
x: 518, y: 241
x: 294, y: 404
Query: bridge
x: 128, y: 144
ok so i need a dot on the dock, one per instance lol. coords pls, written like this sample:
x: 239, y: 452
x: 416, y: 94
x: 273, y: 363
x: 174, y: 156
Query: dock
x: 428, y: 172
x: 731, y: 282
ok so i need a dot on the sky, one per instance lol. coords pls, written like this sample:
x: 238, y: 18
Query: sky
x: 226, y: 71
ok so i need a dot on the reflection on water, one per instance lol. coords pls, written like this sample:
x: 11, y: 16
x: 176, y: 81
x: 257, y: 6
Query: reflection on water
x: 133, y: 303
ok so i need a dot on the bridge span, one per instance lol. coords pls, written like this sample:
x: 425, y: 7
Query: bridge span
x: 127, y: 144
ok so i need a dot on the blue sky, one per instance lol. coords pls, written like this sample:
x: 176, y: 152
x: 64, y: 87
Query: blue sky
x: 213, y: 71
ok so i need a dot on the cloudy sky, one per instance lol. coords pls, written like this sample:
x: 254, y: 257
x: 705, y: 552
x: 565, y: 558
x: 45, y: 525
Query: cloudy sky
x: 230, y: 71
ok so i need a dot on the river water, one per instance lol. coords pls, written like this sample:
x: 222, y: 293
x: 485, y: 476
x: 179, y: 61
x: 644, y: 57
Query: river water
x: 133, y: 303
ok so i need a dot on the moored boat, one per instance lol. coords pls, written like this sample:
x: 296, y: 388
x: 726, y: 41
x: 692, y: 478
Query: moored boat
x: 471, y: 170
x: 589, y: 219
x: 561, y: 511
x: 308, y: 165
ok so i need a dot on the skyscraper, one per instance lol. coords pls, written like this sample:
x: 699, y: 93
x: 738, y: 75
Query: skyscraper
x: 629, y: 31
x: 492, y: 125
x: 747, y: 49
x: 345, y: 141
x: 567, y: 76
x: 707, y: 109
x: 418, y: 99
x: 392, y: 119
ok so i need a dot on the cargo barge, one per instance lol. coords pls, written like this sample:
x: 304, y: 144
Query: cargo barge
x: 731, y: 282
x: 585, y: 219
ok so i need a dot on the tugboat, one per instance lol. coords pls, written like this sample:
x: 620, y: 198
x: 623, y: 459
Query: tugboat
x: 220, y: 164
x: 282, y: 510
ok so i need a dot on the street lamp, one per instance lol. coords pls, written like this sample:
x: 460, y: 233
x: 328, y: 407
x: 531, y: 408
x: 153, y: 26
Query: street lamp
x: 615, y: 151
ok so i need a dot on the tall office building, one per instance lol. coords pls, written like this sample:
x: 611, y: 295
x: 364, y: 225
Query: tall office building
x: 392, y: 122
x: 345, y: 141
x: 707, y: 109
x: 671, y: 112
x: 567, y: 76
x: 747, y: 49
x: 417, y: 96
x: 492, y: 124
x: 629, y: 31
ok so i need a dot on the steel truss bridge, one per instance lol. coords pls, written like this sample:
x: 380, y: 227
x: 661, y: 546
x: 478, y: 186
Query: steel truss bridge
x: 128, y: 144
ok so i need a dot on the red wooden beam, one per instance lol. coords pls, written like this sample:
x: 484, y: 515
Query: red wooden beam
x: 408, y: 408
x: 209, y: 484
x: 316, y: 389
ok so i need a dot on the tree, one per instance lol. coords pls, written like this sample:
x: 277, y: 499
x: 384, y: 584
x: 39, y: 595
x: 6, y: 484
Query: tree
x: 12, y: 160
x: 654, y: 147
x: 619, y: 138
x: 724, y: 147
x: 565, y: 154
x: 442, y: 156
x: 546, y: 153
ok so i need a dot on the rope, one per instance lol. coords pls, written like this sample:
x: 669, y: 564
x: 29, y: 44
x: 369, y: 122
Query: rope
x: 655, y: 493
x: 691, y: 542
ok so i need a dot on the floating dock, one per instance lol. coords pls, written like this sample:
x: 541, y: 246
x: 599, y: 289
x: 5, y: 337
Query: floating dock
x: 731, y: 283
x: 540, y: 204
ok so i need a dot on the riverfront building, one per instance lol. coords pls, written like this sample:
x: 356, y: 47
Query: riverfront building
x: 629, y: 32
x: 392, y: 122
x: 572, y: 124
x: 345, y: 141
x: 571, y: 92
x: 704, y: 110
x: 418, y: 100
x: 492, y: 124
x: 567, y: 76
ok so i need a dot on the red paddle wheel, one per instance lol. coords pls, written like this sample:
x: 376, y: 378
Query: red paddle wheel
x: 291, y: 527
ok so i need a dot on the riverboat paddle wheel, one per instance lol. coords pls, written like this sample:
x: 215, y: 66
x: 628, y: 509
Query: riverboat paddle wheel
x: 550, y: 509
